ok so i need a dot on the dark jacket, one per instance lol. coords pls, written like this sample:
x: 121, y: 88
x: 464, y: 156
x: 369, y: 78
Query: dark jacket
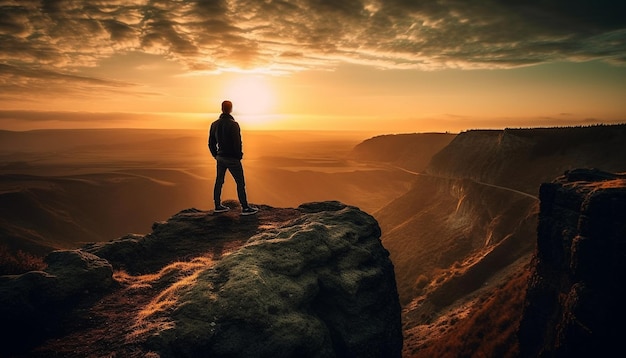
x: 225, y: 137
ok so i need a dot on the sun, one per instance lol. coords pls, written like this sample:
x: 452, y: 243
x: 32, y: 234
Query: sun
x: 252, y: 96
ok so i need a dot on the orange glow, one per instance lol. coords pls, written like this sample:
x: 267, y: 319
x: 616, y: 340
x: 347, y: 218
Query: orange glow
x: 253, y: 98
x: 347, y: 98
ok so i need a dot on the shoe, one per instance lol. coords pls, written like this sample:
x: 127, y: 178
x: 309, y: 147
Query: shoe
x: 250, y: 210
x: 221, y: 209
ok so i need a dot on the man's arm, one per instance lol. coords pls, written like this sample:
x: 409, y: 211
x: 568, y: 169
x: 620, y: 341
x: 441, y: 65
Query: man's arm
x: 237, y: 145
x: 213, y: 140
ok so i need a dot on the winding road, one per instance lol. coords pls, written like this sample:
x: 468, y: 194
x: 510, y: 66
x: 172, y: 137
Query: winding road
x: 477, y: 182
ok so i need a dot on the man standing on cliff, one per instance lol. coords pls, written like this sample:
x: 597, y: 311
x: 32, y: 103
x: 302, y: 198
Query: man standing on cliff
x: 225, y: 146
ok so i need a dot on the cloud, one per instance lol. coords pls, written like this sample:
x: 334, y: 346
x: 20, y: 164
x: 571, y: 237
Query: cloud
x: 299, y: 34
x: 27, y: 119
x: 22, y: 83
x: 39, y: 116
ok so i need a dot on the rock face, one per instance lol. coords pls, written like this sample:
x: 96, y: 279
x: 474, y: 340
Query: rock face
x: 314, y: 281
x: 575, y: 300
x: 319, y: 286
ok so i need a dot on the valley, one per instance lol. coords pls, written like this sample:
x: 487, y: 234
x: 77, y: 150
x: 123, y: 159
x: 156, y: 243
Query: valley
x: 458, y: 213
x: 62, y: 189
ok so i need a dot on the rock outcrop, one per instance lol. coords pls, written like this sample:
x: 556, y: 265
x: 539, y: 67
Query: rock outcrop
x: 320, y: 286
x: 575, y: 300
x: 314, y: 281
x: 32, y: 303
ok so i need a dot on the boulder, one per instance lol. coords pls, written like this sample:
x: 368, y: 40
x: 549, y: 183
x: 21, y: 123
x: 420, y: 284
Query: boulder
x: 321, y: 285
x: 33, y: 303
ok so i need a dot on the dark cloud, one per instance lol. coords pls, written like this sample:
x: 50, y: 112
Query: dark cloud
x: 291, y: 34
x: 63, y: 116
x: 581, y: 15
x: 27, y: 119
x: 20, y: 83
x: 119, y: 31
x: 53, y: 76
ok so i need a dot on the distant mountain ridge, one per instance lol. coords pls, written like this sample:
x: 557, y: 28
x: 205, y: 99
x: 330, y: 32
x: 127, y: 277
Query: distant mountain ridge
x: 409, y: 151
x: 522, y: 159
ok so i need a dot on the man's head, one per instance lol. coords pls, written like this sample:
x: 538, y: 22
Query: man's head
x: 227, y: 107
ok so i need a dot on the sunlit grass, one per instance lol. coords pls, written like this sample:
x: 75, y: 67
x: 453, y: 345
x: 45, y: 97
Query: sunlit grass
x: 178, y: 278
x: 19, y: 262
x: 488, y: 331
x: 608, y: 184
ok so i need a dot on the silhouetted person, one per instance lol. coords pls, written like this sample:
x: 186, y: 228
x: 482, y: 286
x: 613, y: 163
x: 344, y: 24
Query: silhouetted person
x: 225, y: 146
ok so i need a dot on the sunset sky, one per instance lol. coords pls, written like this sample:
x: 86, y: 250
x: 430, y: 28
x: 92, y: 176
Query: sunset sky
x: 389, y: 66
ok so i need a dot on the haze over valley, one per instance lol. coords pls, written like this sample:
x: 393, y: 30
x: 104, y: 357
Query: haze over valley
x: 63, y: 188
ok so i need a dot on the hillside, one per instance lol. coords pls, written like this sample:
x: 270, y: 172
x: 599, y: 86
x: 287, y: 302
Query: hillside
x: 409, y: 151
x: 442, y: 226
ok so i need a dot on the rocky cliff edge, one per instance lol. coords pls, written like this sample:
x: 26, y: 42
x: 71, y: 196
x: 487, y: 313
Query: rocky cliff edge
x: 575, y: 299
x: 314, y: 281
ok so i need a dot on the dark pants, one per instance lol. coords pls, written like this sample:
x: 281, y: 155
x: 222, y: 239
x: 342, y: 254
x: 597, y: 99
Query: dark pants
x: 236, y: 170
